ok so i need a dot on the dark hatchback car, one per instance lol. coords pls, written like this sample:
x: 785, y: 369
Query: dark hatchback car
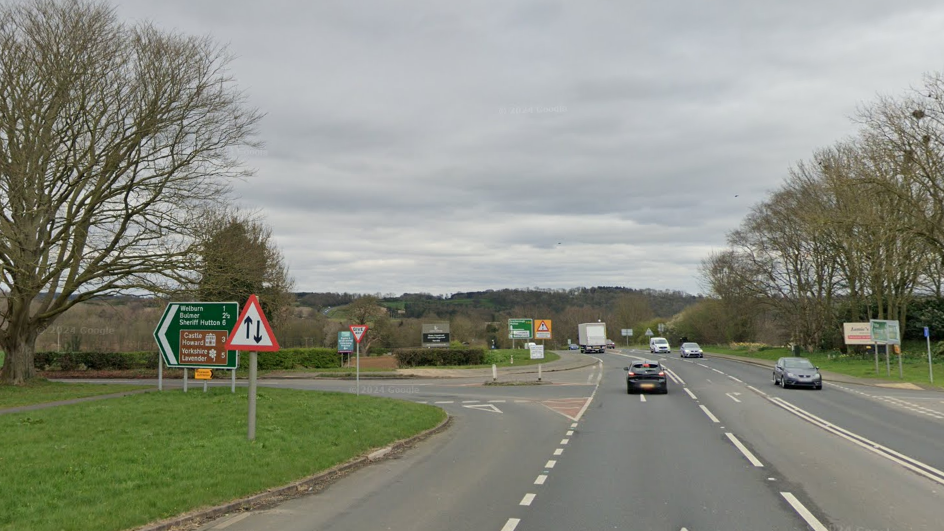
x: 646, y: 376
x: 797, y: 372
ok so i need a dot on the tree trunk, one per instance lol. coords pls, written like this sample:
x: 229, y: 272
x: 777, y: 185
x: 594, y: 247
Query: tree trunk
x: 18, y: 364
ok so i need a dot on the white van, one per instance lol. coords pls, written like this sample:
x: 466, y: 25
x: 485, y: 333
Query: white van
x: 659, y: 345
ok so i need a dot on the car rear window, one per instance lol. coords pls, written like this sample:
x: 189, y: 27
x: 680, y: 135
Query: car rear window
x: 646, y: 367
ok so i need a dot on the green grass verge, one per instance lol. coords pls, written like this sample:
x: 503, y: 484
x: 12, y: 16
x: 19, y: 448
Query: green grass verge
x: 914, y: 365
x: 42, y: 391
x: 121, y: 463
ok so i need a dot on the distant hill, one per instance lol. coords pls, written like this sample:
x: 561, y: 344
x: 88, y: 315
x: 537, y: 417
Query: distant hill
x: 664, y: 303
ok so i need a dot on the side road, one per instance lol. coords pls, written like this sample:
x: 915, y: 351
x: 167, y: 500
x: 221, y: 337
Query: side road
x: 829, y: 376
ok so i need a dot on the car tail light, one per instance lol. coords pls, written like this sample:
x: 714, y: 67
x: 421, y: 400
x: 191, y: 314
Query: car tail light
x: 661, y: 373
x: 631, y: 373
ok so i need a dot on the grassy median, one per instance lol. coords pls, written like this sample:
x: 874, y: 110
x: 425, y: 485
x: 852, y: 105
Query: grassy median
x: 41, y: 391
x: 120, y: 463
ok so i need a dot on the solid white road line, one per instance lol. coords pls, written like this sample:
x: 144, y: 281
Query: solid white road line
x: 541, y: 479
x: 914, y: 465
x: 691, y: 394
x: 673, y: 374
x: 496, y: 401
x: 642, y: 398
x: 422, y: 402
x: 747, y: 453
x: 511, y: 524
x: 712, y: 417
x: 803, y: 512
x: 469, y: 401
x: 716, y: 370
x: 550, y: 463
x: 559, y: 451
x: 732, y: 398
x: 444, y: 402
x: 526, y: 501
x: 756, y: 390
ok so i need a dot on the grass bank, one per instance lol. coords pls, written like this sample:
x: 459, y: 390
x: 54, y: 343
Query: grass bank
x: 120, y: 463
x: 914, y: 363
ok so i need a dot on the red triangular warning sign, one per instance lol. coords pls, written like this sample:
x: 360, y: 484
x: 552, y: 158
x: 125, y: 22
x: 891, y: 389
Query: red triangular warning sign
x: 358, y: 331
x: 252, y: 330
x: 543, y: 327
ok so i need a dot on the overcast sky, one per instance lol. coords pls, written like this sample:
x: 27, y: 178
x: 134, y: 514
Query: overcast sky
x: 431, y: 146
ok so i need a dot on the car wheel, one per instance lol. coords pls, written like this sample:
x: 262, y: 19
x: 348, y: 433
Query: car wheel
x: 774, y: 378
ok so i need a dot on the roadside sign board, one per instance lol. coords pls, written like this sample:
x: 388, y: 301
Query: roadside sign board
x: 885, y: 332
x: 857, y: 333
x: 203, y: 374
x: 520, y: 328
x: 648, y: 331
x: 626, y: 332
x: 358, y: 331
x: 927, y: 333
x: 252, y: 330
x: 537, y: 351
x: 345, y: 341
x: 542, y: 329
x: 435, y: 335
x: 193, y: 335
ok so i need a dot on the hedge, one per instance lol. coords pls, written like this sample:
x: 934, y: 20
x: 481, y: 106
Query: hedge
x: 413, y: 357
x: 96, y: 361
x: 294, y: 358
x: 306, y: 358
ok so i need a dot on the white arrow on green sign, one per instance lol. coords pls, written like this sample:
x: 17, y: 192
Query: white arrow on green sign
x: 194, y: 334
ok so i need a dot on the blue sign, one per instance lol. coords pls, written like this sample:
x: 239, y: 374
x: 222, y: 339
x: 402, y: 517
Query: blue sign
x: 926, y: 333
x: 345, y: 341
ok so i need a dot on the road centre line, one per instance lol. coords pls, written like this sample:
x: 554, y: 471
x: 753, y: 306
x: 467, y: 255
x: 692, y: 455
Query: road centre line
x: 593, y: 394
x: 550, y: 463
x: 736, y: 379
x: 712, y: 417
x: 756, y: 390
x: 803, y: 512
x: 526, y: 501
x: 747, y: 453
x: 559, y: 451
x: 676, y: 376
x: 564, y: 442
x: 691, y: 394
x: 670, y: 375
x: 918, y: 467
x: 541, y: 479
x: 511, y: 524
x: 569, y: 433
x: 642, y: 398
x: 733, y: 398
x: 717, y: 371
x: 574, y: 425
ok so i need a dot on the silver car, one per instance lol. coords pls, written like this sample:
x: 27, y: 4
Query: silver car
x: 691, y: 350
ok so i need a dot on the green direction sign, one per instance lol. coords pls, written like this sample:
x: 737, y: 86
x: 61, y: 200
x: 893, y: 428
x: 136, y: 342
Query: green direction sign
x: 193, y: 334
x: 520, y: 328
x: 345, y: 341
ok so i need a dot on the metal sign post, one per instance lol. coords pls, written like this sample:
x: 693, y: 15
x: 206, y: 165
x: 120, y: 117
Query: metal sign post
x: 253, y: 364
x: 927, y: 336
x: 358, y: 331
x: 160, y: 372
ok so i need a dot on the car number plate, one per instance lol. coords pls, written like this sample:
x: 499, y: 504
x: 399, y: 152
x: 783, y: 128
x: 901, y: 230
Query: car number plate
x: 647, y: 386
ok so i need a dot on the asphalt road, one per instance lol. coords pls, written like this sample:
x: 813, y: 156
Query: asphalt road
x: 724, y: 450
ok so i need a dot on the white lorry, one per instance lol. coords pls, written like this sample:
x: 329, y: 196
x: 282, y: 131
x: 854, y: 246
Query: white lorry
x: 591, y: 337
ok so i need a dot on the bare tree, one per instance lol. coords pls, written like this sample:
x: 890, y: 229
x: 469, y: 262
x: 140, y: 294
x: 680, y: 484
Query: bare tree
x: 110, y: 136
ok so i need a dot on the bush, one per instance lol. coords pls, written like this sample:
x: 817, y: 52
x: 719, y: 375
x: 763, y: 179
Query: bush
x: 437, y: 357
x: 294, y: 358
x: 96, y: 361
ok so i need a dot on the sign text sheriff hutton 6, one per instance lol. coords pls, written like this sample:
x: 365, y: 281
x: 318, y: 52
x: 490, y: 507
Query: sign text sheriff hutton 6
x: 193, y: 334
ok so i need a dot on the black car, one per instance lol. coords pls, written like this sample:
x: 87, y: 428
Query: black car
x: 646, y: 376
x: 797, y: 372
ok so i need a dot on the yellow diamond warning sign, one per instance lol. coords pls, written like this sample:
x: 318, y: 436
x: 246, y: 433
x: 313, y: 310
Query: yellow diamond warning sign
x: 542, y: 329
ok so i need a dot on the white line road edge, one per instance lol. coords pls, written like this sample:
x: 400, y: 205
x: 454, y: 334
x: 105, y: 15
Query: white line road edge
x: 691, y: 394
x: 803, y: 512
x: 747, y: 453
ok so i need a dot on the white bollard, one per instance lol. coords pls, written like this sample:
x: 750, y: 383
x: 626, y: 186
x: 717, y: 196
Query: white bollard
x: 494, y: 372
